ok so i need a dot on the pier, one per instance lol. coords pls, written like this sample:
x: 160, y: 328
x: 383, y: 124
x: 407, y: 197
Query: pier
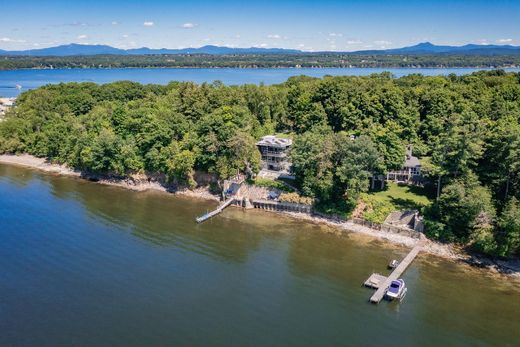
x: 219, y: 209
x: 381, y: 283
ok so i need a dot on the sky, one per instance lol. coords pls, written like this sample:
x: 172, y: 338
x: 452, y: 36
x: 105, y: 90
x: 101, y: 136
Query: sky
x: 307, y: 25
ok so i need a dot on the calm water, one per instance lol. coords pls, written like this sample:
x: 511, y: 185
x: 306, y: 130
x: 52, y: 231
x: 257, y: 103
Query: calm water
x: 29, y: 79
x: 85, y: 264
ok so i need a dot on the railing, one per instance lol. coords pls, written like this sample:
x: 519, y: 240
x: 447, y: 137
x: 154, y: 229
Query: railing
x: 276, y: 154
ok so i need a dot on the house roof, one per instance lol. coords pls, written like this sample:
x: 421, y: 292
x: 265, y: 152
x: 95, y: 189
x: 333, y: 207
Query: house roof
x: 412, y: 161
x: 273, y: 141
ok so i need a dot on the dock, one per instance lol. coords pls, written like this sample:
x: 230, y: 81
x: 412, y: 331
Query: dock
x: 375, y: 281
x: 381, y: 283
x: 216, y: 211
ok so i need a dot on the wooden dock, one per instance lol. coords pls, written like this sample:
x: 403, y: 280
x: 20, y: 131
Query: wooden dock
x: 375, y: 281
x: 382, y: 283
x: 219, y: 209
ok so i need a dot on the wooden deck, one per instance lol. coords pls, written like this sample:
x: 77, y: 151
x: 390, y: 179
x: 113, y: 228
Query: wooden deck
x: 398, y: 271
x: 374, y: 281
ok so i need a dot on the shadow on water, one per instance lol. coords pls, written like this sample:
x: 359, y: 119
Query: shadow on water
x: 159, y: 218
x: 17, y: 176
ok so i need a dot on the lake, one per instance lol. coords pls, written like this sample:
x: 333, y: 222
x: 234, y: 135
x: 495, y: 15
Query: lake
x: 93, y: 265
x: 34, y: 78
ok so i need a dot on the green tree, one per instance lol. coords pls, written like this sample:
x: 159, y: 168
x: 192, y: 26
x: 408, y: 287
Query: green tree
x: 509, y: 228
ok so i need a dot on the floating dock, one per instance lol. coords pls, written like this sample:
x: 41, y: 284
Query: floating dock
x: 375, y: 281
x: 219, y: 209
x: 381, y: 283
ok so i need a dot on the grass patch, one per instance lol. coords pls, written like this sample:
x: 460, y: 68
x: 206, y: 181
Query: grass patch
x: 402, y: 197
x: 394, y: 198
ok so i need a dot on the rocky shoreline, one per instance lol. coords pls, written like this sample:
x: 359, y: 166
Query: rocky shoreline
x: 142, y: 183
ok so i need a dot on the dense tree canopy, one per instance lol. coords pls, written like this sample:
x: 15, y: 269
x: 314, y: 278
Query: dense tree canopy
x: 329, y: 59
x: 345, y: 129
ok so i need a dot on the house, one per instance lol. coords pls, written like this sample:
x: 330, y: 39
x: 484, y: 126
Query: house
x: 5, y: 104
x: 410, y: 172
x: 274, y: 152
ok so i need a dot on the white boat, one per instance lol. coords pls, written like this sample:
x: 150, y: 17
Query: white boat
x: 393, y: 264
x: 396, y: 290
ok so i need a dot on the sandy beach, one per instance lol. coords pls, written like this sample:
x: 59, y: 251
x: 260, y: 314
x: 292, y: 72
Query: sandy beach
x: 142, y: 183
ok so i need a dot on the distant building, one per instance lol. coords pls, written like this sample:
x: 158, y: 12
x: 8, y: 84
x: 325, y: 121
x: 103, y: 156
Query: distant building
x: 410, y: 172
x: 5, y: 104
x: 274, y: 152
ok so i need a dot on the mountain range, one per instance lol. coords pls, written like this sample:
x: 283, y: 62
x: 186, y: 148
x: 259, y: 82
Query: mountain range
x: 425, y: 48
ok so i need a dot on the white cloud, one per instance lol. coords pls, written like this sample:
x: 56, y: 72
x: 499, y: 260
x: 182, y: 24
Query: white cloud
x: 125, y: 36
x: 7, y: 39
x: 274, y: 36
x: 148, y: 24
x: 188, y: 26
x: 354, y: 42
x: 336, y: 34
x: 301, y: 45
x: 479, y: 41
x: 382, y: 42
x: 261, y: 45
x: 115, y: 22
x: 504, y: 40
x: 82, y: 37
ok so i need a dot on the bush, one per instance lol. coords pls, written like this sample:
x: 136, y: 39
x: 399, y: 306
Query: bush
x: 296, y: 198
x: 342, y: 208
x: 376, y: 210
x: 267, y: 183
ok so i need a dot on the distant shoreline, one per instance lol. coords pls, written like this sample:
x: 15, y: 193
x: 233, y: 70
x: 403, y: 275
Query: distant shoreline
x: 506, y: 68
x: 447, y: 251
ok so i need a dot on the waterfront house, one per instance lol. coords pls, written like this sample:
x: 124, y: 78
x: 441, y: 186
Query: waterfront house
x: 5, y: 104
x: 274, y: 152
x: 410, y: 172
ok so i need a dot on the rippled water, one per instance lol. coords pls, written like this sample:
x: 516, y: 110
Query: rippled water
x: 86, y: 264
x: 34, y: 78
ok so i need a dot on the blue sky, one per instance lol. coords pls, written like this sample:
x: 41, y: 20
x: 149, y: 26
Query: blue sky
x: 307, y: 25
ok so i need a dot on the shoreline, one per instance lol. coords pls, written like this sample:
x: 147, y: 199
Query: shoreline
x: 139, y: 184
x: 268, y: 68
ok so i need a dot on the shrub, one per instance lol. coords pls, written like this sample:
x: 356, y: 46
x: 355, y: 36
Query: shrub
x: 296, y: 198
x: 267, y: 183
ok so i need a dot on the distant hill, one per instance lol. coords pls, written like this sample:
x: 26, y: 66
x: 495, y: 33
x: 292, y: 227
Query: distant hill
x: 71, y: 49
x: 77, y: 49
x: 425, y: 48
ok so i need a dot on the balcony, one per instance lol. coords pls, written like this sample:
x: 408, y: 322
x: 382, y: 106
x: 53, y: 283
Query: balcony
x: 274, y: 154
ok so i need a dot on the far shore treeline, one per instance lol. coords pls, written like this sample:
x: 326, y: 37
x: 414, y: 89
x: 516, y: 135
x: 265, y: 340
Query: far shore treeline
x: 324, y: 60
x: 466, y: 129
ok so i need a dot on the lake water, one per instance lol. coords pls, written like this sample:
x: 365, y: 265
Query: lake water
x: 34, y: 78
x: 86, y: 264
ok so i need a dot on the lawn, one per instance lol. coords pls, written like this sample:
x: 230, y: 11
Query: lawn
x: 402, y: 197
x: 393, y: 198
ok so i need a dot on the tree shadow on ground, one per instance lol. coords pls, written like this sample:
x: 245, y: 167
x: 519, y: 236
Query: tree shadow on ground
x: 405, y: 204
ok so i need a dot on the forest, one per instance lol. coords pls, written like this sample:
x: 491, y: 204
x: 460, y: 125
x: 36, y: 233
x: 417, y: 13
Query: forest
x: 260, y: 61
x: 465, y: 129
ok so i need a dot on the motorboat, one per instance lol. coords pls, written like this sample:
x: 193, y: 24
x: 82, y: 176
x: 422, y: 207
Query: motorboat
x: 393, y: 264
x: 396, y: 290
